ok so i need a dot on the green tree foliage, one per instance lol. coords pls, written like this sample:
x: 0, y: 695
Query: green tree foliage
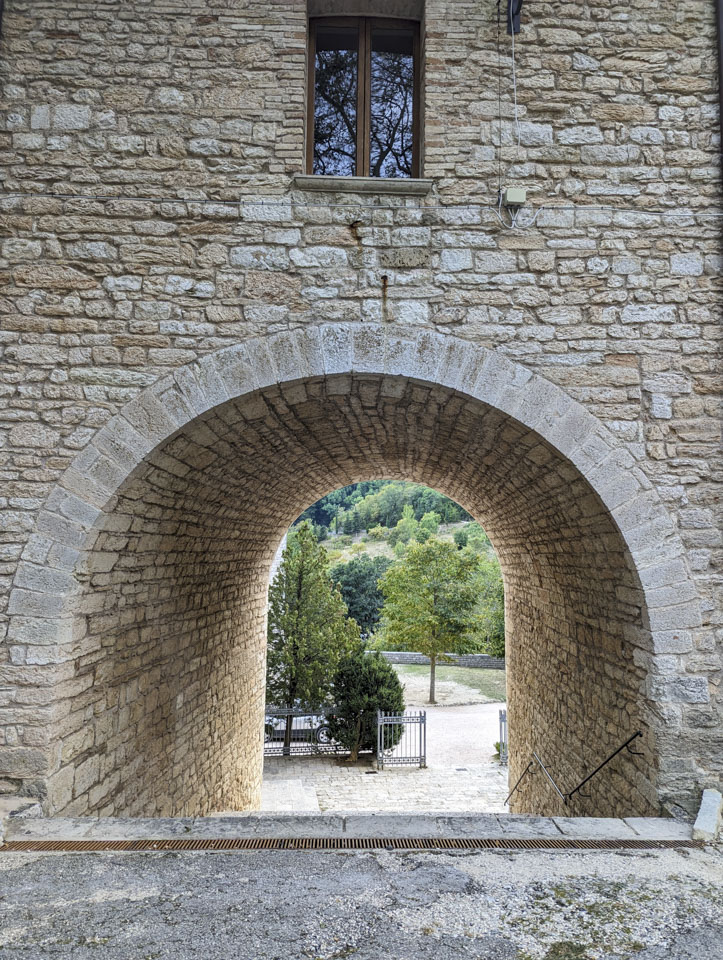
x: 407, y: 527
x: 363, y: 684
x: 490, y: 605
x: 308, y: 627
x: 461, y: 536
x: 380, y: 502
x: 431, y: 600
x: 477, y: 539
x: 358, y: 581
x: 428, y: 526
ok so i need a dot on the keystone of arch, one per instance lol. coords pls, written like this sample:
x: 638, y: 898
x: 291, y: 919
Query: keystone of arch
x: 66, y: 526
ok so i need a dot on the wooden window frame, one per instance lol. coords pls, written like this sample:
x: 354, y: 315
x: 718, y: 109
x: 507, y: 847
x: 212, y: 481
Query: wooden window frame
x: 365, y: 25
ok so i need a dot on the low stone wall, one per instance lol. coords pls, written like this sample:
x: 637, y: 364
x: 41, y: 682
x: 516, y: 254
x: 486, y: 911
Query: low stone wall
x: 481, y: 660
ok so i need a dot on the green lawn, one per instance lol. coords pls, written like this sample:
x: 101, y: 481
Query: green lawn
x: 490, y: 683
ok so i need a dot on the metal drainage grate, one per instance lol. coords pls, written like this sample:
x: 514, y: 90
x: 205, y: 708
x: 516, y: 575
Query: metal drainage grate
x: 338, y: 843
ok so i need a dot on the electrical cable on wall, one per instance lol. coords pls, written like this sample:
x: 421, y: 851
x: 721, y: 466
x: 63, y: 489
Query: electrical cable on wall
x: 514, y: 75
x: 514, y: 8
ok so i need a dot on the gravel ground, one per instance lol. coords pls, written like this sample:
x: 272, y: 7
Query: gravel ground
x: 493, y: 905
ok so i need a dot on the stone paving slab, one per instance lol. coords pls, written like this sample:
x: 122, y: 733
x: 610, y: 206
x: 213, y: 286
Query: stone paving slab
x: 260, y: 825
x: 21, y: 808
x: 292, y: 795
x: 59, y: 828
x: 481, y: 788
x: 440, y: 824
x: 350, y: 823
x: 594, y: 828
x: 660, y: 828
x: 529, y: 827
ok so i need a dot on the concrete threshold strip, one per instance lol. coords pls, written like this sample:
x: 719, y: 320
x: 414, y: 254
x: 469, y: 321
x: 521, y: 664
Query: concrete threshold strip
x: 26, y: 831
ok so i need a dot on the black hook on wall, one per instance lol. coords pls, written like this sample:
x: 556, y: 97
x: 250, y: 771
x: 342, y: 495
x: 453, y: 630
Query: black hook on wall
x: 514, y: 8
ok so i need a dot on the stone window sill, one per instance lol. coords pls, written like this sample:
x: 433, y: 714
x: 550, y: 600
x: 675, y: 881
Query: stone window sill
x: 401, y: 187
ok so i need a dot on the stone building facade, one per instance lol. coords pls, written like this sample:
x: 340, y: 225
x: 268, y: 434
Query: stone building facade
x: 197, y: 341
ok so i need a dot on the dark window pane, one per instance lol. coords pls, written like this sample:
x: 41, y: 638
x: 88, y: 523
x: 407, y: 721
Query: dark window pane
x: 392, y: 87
x: 335, y: 101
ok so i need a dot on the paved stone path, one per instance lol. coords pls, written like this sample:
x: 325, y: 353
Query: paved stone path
x: 460, y: 774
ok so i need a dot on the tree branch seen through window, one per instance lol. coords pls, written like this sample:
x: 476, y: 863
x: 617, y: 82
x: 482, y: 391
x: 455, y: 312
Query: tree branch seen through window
x: 363, y: 98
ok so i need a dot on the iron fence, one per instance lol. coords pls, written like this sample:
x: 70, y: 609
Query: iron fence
x: 402, y: 739
x: 309, y: 733
x: 503, y: 752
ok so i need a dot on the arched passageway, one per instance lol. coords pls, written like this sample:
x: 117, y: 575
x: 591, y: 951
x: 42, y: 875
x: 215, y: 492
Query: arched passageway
x: 162, y: 692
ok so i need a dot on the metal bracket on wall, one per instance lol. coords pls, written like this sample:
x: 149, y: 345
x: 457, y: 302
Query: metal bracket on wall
x: 513, y: 15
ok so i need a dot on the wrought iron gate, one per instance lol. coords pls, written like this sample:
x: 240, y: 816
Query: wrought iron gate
x: 402, y: 739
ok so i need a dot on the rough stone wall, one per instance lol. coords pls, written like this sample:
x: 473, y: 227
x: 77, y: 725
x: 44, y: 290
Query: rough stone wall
x: 170, y: 657
x: 149, y: 217
x: 480, y: 661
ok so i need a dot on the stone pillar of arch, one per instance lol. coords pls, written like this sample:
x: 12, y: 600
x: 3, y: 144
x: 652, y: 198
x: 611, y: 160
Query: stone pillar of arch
x: 148, y: 571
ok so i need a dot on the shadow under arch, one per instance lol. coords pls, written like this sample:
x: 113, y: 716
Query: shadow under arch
x: 159, y: 537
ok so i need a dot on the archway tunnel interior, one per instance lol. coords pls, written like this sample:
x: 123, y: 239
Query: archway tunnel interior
x: 162, y: 712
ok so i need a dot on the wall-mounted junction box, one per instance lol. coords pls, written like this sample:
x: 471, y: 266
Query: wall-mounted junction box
x: 514, y: 196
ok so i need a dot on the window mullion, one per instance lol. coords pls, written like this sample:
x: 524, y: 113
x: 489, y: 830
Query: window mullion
x: 364, y: 108
x: 417, y: 105
x: 311, y: 97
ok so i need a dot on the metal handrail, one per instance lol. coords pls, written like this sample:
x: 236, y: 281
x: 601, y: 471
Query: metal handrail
x: 604, y: 763
x: 566, y: 797
x: 555, y: 787
x: 522, y: 776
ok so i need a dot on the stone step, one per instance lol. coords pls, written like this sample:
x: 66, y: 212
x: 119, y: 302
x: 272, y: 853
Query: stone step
x: 487, y: 826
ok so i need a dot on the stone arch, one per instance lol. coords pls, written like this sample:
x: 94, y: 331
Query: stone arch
x: 73, y: 546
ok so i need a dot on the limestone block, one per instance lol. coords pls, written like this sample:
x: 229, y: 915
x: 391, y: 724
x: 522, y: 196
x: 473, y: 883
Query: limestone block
x: 320, y: 256
x: 283, y: 354
x: 679, y: 689
x: 92, y: 250
x: 646, y: 135
x: 400, y: 350
x: 451, y: 260
x: 411, y: 312
x: 70, y: 116
x: 22, y: 762
x: 40, y: 117
x: 580, y: 135
x: 259, y: 257
x: 686, y: 264
x: 336, y: 345
x: 707, y: 826
x: 18, y: 250
x: 535, y: 134
x: 42, y: 579
x: 368, y: 344
x: 33, y: 435
x: 263, y: 364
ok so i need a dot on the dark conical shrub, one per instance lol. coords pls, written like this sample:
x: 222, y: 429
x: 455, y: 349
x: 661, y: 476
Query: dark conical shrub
x: 363, y: 684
